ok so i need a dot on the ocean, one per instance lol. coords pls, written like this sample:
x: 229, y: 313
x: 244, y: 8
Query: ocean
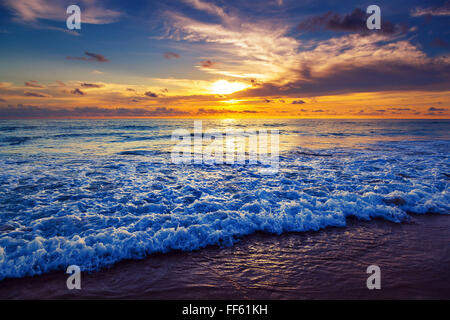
x: 96, y: 192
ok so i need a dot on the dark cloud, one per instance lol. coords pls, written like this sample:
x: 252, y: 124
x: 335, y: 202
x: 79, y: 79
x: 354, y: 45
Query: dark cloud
x: 171, y: 55
x: 35, y: 94
x: 130, y: 89
x: 202, y: 111
x: 399, y: 109
x: 33, y: 84
x: 369, y: 113
x: 151, y: 94
x: 207, y: 63
x: 352, y: 22
x: 298, y: 102
x: 91, y: 85
x: 21, y: 112
x: 163, y: 112
x: 255, y: 83
x: 387, y: 76
x: 77, y: 91
x: 2, y: 100
x: 90, y: 57
x: 436, y: 109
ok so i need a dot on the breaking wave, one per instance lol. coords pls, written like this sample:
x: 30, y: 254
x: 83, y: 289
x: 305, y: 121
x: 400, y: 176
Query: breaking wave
x: 94, y: 210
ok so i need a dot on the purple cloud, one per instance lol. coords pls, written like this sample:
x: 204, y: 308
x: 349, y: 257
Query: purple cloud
x: 33, y: 84
x: 91, y: 85
x: 90, y: 57
x: 35, y: 94
x: 171, y: 55
x: 77, y: 91
x: 151, y: 94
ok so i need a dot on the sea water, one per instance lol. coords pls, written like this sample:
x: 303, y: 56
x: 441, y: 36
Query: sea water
x: 94, y: 192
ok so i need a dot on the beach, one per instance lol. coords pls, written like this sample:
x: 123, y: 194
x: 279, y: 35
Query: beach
x: 330, y: 264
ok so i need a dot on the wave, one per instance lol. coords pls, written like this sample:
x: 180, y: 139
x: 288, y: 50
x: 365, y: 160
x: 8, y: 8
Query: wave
x: 96, y: 211
x: 13, y: 141
x: 141, y: 152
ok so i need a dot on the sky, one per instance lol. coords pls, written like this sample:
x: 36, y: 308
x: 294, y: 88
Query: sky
x: 224, y: 59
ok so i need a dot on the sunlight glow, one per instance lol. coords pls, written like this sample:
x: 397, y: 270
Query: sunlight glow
x: 226, y: 87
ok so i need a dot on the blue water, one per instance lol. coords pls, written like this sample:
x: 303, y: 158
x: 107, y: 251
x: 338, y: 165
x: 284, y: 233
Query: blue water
x: 94, y: 192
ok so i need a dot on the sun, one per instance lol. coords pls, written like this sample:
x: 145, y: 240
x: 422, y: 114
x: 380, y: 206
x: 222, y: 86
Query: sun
x: 227, y: 87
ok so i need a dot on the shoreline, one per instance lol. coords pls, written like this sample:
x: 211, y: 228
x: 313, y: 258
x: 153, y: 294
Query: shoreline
x: 327, y: 264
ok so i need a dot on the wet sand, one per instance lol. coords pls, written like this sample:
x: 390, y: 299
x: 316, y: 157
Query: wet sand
x: 414, y: 258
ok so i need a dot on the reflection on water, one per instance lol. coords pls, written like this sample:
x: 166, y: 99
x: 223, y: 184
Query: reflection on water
x: 113, y: 136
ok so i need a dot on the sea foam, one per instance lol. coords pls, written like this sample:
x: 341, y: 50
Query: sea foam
x: 92, y: 211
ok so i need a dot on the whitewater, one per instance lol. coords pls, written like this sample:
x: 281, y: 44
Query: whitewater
x: 95, y: 192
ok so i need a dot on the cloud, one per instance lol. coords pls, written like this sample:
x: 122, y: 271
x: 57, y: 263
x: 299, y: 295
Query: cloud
x: 171, y: 55
x: 165, y: 112
x: 30, y: 11
x: 2, y: 100
x: 203, y: 111
x: 33, y: 84
x: 399, y: 109
x: 151, y: 94
x: 432, y: 11
x: 281, y: 65
x: 77, y: 91
x: 352, y: 22
x: 357, y: 63
x: 90, y: 57
x: 91, y: 85
x: 207, y: 64
x: 257, y: 50
x: 298, y: 102
x: 35, y: 94
x: 21, y: 112
x: 207, y: 7
x: 433, y: 109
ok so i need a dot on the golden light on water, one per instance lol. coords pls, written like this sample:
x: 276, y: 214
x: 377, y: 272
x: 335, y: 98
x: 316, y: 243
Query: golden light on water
x: 227, y: 87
